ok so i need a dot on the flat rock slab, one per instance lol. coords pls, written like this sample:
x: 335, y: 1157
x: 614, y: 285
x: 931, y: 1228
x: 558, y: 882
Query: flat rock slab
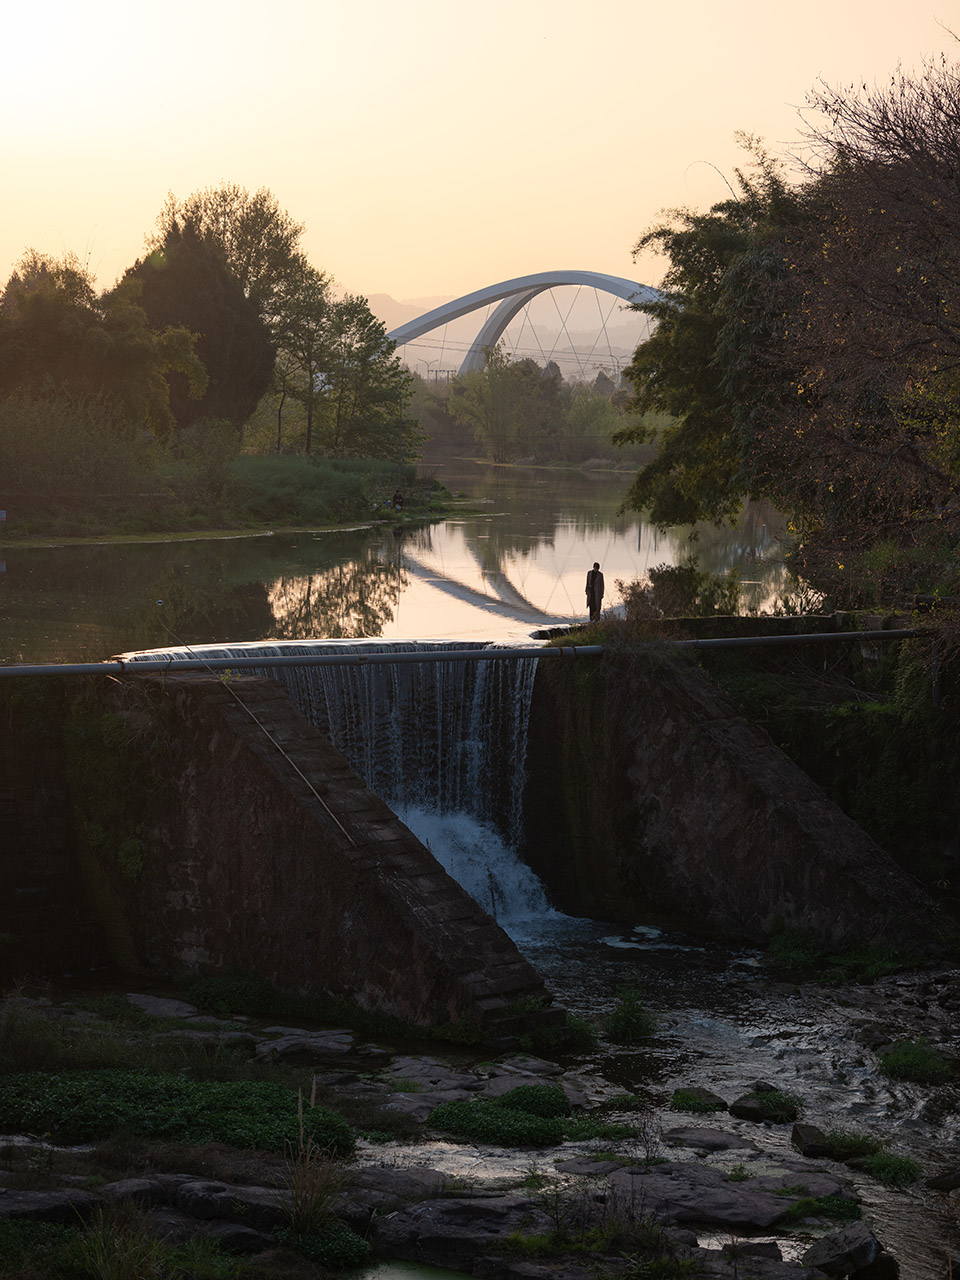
x: 706, y: 1139
x: 455, y: 1233
x: 713, y: 1262
x: 158, y: 1007
x: 696, y: 1193
x: 304, y: 1046
x: 524, y: 1064
x: 421, y: 1106
x: 258, y: 1207
x: 582, y: 1167
x: 143, y: 1191
x: 47, y: 1206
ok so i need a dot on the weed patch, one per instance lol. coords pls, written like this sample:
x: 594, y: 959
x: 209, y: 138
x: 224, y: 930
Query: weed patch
x: 82, y: 1106
x: 834, y: 1208
x: 892, y: 1171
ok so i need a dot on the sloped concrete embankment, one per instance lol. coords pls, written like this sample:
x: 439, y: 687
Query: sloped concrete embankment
x: 233, y: 835
x: 650, y: 796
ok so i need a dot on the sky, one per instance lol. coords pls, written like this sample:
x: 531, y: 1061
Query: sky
x: 430, y: 147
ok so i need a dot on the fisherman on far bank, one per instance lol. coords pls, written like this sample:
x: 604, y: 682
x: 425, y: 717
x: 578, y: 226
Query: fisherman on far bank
x: 594, y: 592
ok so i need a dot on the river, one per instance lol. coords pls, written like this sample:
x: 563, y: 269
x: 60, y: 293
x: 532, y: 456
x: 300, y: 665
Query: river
x: 517, y: 565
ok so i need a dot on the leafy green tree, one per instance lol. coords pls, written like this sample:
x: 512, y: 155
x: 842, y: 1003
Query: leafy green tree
x: 303, y: 333
x: 59, y: 337
x: 704, y: 466
x: 486, y: 399
x: 363, y: 389
x: 188, y: 283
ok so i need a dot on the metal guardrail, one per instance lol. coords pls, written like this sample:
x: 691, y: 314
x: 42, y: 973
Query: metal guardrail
x: 149, y: 666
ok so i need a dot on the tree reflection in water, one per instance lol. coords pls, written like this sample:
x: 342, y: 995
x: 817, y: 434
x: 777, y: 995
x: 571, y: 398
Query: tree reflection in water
x: 345, y: 602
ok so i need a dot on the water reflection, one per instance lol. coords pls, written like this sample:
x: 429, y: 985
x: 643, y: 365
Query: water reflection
x: 517, y: 564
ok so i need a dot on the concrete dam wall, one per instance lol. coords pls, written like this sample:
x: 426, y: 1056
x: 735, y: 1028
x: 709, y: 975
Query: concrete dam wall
x: 193, y: 823
x: 650, y: 797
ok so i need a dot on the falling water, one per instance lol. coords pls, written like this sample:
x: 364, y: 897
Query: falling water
x: 443, y: 743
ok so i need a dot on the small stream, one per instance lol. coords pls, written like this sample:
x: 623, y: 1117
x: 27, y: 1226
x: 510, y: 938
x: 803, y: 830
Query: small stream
x: 725, y: 1020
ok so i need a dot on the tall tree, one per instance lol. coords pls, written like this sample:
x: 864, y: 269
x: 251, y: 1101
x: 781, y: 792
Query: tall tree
x: 187, y: 282
x: 303, y: 334
x: 364, y: 388
x: 259, y: 241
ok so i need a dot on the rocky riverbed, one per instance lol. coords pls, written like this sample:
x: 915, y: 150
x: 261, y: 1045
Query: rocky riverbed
x: 729, y: 1193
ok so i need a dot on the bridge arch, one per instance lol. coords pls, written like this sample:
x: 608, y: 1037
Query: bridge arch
x: 513, y: 296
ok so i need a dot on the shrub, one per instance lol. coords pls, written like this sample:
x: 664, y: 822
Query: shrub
x: 84, y: 1105
x: 630, y: 1021
x: 482, y: 1121
x: 537, y: 1100
x: 845, y: 1145
x: 915, y: 1060
x: 40, y: 1243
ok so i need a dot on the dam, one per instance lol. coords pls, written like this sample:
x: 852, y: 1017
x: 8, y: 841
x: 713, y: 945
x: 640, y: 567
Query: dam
x: 305, y: 826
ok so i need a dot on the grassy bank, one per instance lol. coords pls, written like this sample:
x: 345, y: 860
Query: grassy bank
x: 73, y: 470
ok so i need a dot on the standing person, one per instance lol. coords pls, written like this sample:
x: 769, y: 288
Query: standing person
x: 594, y: 592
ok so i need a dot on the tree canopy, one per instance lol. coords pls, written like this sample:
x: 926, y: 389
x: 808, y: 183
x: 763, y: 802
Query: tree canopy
x: 58, y: 337
x: 809, y: 343
x: 187, y: 282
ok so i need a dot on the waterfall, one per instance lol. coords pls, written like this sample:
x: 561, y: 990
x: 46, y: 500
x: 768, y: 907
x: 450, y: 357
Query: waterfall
x: 439, y: 737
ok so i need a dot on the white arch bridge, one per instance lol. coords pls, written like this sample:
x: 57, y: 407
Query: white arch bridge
x: 512, y: 296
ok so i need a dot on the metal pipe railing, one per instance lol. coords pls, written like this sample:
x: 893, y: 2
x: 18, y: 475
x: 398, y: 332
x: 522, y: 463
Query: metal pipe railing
x: 149, y: 666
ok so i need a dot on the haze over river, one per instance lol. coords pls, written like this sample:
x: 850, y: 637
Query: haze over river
x: 518, y: 565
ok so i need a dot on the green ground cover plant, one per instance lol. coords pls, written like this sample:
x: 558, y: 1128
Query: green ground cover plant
x: 891, y: 1170
x: 84, y: 1105
x: 333, y: 1245
x: 537, y: 1100
x: 793, y: 949
x: 241, y: 992
x: 480, y: 1121
x: 915, y: 1060
x: 835, y: 1208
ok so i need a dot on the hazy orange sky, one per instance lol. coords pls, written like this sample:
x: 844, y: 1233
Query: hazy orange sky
x: 430, y: 147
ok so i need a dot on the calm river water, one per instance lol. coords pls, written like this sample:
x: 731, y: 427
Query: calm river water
x: 518, y: 565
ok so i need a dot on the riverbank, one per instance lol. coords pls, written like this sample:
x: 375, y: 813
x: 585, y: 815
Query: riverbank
x: 411, y: 517
x: 623, y: 1177
x: 192, y: 496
